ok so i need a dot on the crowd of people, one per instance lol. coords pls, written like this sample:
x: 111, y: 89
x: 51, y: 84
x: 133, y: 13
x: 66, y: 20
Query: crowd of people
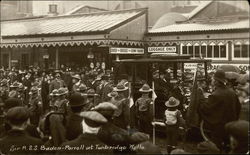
x: 66, y: 111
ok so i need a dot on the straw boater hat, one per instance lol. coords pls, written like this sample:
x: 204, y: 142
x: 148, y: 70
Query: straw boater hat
x: 120, y: 87
x: 172, y: 102
x: 145, y: 89
x: 113, y: 94
x: 14, y: 85
x: 77, y: 76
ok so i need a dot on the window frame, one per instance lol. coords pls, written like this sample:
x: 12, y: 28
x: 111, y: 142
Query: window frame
x: 241, y: 58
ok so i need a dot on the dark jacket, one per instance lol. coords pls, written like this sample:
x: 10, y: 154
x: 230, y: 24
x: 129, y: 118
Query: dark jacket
x: 20, y: 140
x: 84, y: 141
x: 73, y: 126
x: 223, y: 106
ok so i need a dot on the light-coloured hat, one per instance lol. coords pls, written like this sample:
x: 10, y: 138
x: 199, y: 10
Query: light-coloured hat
x: 62, y: 91
x: 145, y: 88
x: 113, y: 94
x: 172, y: 102
x: 54, y: 92
x: 77, y: 76
x: 120, y: 87
x: 93, y: 118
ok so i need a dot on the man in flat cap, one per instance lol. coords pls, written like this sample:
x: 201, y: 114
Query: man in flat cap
x: 17, y: 118
x: 73, y: 120
x: 223, y: 106
x: 91, y: 124
x: 108, y: 132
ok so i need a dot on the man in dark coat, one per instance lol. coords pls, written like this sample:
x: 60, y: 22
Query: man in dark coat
x: 17, y: 140
x: 88, y: 139
x: 74, y: 120
x: 222, y: 107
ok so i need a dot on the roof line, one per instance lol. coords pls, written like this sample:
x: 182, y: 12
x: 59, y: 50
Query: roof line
x: 89, y: 14
x: 82, y: 6
x: 199, y: 9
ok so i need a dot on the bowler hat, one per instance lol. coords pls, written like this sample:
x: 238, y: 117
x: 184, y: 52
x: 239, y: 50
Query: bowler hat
x: 17, y: 115
x: 120, y: 87
x: 145, y: 89
x: 238, y: 129
x: 93, y: 118
x: 76, y: 100
x: 220, y: 76
x: 172, y: 102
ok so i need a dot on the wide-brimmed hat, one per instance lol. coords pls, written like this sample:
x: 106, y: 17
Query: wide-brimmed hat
x: 15, y: 85
x: 172, y: 102
x: 62, y: 91
x: 220, y: 76
x: 77, y: 76
x: 145, y: 88
x: 113, y: 94
x: 76, y: 100
x: 54, y: 92
x: 91, y: 93
x: 82, y: 88
x: 120, y: 87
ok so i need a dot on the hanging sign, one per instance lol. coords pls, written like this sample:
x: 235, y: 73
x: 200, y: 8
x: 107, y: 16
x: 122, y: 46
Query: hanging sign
x: 166, y: 49
x: 120, y: 50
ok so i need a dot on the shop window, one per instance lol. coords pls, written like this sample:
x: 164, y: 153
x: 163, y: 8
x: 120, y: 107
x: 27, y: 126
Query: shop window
x: 184, y: 49
x: 245, y: 51
x: 209, y: 51
x: 190, y: 50
x: 197, y: 51
x: 237, y: 50
x: 223, y: 53
x: 216, y: 51
x: 203, y: 51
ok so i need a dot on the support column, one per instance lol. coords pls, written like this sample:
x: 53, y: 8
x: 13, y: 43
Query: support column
x: 10, y: 56
x: 117, y: 57
x: 57, y: 58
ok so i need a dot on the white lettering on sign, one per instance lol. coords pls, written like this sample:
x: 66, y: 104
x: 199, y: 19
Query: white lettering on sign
x: 168, y: 49
x: 114, y: 50
x: 242, y: 67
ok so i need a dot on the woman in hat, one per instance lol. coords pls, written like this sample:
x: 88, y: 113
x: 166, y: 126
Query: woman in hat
x: 143, y: 109
x: 122, y: 114
x: 173, y: 120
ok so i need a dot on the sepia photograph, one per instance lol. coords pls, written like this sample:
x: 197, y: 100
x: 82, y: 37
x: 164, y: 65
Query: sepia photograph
x: 156, y: 77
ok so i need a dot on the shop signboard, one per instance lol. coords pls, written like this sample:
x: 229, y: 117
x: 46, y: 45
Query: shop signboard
x: 121, y: 50
x: 165, y: 49
x: 242, y: 67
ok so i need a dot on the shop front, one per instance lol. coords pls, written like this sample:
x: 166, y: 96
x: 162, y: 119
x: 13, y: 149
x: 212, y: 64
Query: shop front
x: 74, y: 41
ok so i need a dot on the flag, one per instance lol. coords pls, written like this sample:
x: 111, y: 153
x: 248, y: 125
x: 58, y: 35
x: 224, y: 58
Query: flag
x: 192, y: 112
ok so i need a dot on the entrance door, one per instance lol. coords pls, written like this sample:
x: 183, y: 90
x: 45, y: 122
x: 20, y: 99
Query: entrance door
x: 24, y: 60
x: 5, y: 60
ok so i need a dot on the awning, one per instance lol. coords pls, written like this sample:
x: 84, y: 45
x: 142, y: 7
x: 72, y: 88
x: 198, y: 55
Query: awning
x: 66, y: 30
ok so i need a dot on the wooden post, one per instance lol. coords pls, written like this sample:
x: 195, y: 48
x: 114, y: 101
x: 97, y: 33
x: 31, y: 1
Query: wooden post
x: 10, y: 55
x: 117, y: 57
x: 57, y: 58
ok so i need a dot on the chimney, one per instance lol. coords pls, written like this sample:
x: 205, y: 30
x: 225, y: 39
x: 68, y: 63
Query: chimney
x: 52, y: 10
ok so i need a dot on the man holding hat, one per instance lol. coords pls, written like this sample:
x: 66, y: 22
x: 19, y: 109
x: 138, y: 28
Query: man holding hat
x: 17, y: 118
x: 91, y: 124
x: 143, y: 109
x: 73, y: 120
x: 223, y: 106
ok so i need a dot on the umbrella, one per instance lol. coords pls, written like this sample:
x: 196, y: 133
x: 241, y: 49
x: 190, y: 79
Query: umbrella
x: 232, y: 75
x: 229, y: 68
x: 243, y: 78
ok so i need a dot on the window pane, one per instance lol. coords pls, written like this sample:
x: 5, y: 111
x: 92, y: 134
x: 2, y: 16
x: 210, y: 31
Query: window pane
x: 197, y: 51
x: 209, y: 51
x: 216, y: 51
x: 237, y: 51
x: 223, y: 53
x: 184, y: 49
x: 190, y: 50
x: 203, y: 51
x: 244, y: 51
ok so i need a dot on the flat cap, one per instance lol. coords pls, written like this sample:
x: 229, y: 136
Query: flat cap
x: 17, y: 115
x: 93, y: 118
x: 106, y: 109
x: 238, y: 129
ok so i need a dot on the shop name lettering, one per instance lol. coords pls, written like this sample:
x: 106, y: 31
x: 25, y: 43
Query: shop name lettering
x: 162, y: 49
x: 126, y: 50
x: 242, y: 67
